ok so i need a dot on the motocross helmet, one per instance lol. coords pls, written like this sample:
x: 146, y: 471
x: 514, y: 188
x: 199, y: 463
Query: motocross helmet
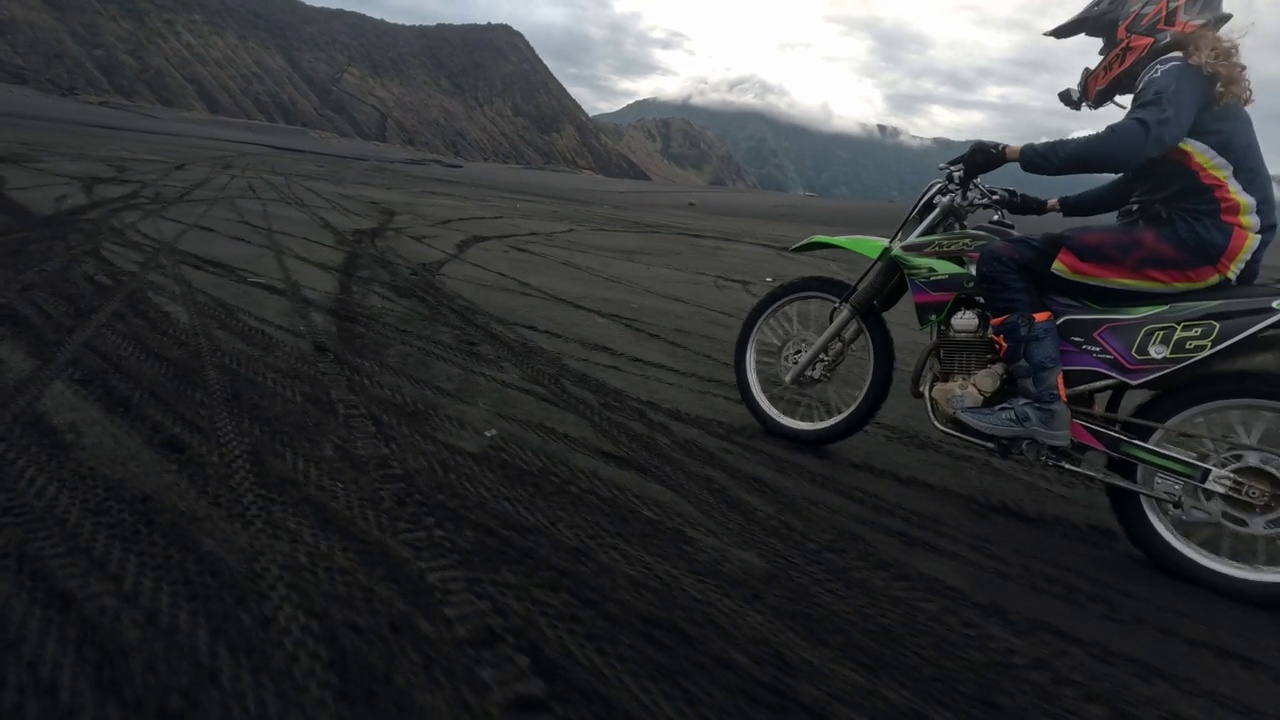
x: 1134, y: 34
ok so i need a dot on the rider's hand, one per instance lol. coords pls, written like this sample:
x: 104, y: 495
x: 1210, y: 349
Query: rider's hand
x: 982, y: 157
x: 1017, y: 203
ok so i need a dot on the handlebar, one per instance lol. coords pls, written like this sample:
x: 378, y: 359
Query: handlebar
x: 971, y: 194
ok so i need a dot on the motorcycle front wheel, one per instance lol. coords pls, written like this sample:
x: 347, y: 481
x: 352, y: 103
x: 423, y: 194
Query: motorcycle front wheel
x: 852, y: 384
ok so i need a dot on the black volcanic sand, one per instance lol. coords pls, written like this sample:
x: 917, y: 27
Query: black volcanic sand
x: 293, y: 434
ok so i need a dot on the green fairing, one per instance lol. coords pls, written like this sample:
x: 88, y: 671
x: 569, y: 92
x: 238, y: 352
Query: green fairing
x: 871, y: 246
x: 867, y: 245
x: 934, y: 273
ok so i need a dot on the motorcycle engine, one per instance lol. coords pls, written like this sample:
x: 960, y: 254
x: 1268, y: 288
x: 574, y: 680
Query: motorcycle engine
x: 966, y: 373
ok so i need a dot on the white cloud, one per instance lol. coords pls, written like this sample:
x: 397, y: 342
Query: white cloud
x: 962, y: 69
x: 802, y: 46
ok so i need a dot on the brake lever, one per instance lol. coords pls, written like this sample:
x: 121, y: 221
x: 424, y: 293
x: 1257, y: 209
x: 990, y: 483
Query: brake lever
x: 1002, y: 221
x: 957, y: 176
x: 984, y: 193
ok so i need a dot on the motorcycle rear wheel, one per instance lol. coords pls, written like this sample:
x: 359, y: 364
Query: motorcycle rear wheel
x: 1154, y: 527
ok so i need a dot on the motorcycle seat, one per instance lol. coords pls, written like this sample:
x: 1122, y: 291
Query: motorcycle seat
x: 1219, y: 293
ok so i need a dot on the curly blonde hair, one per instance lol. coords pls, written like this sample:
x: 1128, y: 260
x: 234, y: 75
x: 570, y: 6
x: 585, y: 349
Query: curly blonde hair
x: 1219, y: 56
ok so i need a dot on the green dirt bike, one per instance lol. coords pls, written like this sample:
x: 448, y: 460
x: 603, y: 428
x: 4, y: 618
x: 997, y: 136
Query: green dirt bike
x: 1186, y: 465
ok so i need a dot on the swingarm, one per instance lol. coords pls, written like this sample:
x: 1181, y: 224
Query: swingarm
x: 1170, y: 465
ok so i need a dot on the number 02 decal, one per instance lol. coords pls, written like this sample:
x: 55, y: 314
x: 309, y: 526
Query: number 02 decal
x: 1175, y: 340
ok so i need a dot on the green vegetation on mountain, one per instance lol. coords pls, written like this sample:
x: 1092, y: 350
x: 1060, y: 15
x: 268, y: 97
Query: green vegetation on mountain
x: 476, y: 92
x: 679, y: 151
x: 882, y: 163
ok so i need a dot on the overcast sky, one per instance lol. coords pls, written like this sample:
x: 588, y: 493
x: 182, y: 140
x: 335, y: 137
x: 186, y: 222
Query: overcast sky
x: 955, y: 68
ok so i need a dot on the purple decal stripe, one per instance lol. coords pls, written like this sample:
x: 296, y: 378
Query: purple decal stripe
x: 1075, y: 359
x: 922, y: 295
x: 928, y: 298
x: 1081, y: 434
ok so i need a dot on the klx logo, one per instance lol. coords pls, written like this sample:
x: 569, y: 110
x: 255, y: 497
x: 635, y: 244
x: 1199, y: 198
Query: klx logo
x: 952, y: 245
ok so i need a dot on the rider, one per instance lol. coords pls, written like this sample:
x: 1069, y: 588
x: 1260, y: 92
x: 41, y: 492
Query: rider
x: 1200, y: 202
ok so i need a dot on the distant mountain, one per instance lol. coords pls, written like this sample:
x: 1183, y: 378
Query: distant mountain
x: 679, y: 151
x: 476, y: 92
x: 880, y: 163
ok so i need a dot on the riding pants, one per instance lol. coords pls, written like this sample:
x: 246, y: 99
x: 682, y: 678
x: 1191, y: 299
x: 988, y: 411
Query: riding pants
x: 1092, y: 262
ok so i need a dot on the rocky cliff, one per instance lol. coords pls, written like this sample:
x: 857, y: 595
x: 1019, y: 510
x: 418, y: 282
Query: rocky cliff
x: 878, y: 162
x: 679, y: 151
x: 476, y: 92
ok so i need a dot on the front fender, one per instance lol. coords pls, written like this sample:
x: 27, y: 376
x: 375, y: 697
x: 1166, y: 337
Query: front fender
x: 867, y: 245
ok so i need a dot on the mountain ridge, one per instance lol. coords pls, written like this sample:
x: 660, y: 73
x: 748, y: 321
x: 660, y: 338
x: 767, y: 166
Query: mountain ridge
x: 680, y: 151
x: 889, y: 164
x: 475, y: 92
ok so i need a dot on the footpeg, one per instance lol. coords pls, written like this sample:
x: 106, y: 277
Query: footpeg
x: 1030, y: 449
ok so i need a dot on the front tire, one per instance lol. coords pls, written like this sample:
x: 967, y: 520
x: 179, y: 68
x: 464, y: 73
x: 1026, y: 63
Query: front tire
x: 749, y: 357
x: 1149, y: 523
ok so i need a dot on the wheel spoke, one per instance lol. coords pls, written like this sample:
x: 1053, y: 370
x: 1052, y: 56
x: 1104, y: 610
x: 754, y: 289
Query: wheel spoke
x: 769, y: 335
x: 794, y: 319
x: 781, y: 337
x: 1202, y: 532
x: 1246, y: 435
x: 833, y: 396
x: 1244, y: 542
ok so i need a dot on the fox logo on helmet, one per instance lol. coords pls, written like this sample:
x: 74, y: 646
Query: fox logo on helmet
x: 1134, y: 34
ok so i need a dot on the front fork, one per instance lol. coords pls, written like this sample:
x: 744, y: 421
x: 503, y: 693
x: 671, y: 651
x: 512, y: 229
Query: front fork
x: 886, y: 286
x: 844, y: 317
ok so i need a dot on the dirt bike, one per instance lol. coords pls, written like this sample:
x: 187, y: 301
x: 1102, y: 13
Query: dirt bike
x: 1204, y: 360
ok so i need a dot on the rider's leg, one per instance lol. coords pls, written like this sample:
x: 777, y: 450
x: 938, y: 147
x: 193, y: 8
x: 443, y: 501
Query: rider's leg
x: 1079, y: 261
x: 1027, y: 337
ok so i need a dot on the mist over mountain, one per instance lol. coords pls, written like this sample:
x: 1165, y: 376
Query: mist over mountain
x: 788, y: 151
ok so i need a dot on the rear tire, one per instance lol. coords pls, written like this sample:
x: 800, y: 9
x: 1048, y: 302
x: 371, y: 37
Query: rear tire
x: 875, y: 335
x: 1134, y: 512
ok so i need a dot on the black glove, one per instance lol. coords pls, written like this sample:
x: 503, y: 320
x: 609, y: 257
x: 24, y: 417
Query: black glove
x: 981, y: 158
x: 1023, y: 204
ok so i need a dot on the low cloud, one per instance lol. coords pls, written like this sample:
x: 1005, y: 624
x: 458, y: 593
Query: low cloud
x: 755, y: 94
x: 982, y: 71
x: 752, y: 93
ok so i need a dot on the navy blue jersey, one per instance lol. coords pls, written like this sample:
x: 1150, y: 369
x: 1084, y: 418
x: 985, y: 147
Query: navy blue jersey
x: 1179, y: 150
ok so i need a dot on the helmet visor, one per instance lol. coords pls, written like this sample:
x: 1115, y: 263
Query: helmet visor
x: 1098, y: 19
